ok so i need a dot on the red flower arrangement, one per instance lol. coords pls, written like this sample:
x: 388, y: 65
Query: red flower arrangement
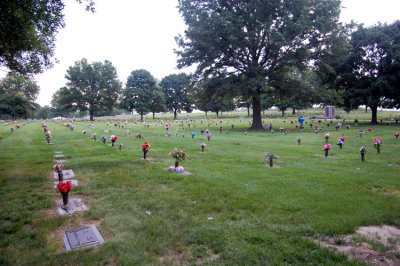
x: 64, y: 187
x: 146, y: 147
x: 397, y: 135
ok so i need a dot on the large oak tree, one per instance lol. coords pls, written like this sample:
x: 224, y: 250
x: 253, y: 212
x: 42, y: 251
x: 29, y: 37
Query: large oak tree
x: 94, y: 87
x: 250, y: 41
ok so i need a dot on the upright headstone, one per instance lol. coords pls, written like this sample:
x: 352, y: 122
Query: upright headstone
x: 329, y: 112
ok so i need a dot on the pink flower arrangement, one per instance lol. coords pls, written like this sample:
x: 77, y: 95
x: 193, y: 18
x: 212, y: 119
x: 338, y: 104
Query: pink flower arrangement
x: 369, y: 129
x: 208, y: 136
x: 378, y: 142
x: 58, y: 168
x: 114, y: 138
x: 397, y: 135
x: 327, y: 147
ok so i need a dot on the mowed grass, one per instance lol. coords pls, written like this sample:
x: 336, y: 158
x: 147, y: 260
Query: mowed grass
x: 232, y: 209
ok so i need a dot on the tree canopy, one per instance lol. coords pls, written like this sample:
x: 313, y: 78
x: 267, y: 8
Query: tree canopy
x: 249, y: 41
x: 370, y: 75
x: 28, y: 29
x: 94, y: 87
x: 176, y: 91
x: 142, y: 94
x: 18, y: 95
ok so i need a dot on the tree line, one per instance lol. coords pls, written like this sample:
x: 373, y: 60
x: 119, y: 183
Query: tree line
x: 252, y: 54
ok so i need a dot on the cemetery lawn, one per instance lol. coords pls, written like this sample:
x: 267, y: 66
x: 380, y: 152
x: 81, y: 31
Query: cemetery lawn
x: 232, y: 209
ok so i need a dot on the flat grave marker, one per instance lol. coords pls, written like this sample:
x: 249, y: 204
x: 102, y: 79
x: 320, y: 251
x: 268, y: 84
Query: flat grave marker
x: 66, y: 173
x: 58, y: 152
x: 59, y: 156
x: 82, y: 237
x: 74, y: 205
x: 61, y: 161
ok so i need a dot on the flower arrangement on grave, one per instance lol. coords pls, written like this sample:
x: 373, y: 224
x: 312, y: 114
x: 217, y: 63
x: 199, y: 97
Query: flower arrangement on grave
x: 1, y: 137
x: 18, y: 126
x: 369, y: 129
x: 326, y: 149
x: 271, y: 157
x: 363, y: 151
x: 120, y: 146
x: 58, y: 168
x: 319, y: 121
x: 203, y: 145
x: 348, y: 126
x: 299, y: 140
x: 281, y: 129
x: 337, y: 127
x: 179, y: 156
x: 138, y: 136
x: 72, y: 128
x: 227, y: 132
x: 48, y: 136
x: 113, y: 139
x: 326, y: 137
x: 246, y: 132
x: 183, y: 135
x: 397, y: 135
x: 12, y: 129
x: 193, y: 134
x: 220, y: 130
x: 202, y: 131
x: 340, y: 142
x: 377, y: 144
x: 94, y: 136
x: 208, y: 136
x: 287, y: 132
x: 145, y: 149
x: 64, y: 188
x: 84, y: 132
x: 103, y: 138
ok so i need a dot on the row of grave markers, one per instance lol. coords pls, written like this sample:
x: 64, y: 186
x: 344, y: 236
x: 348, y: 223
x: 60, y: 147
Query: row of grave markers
x: 79, y: 237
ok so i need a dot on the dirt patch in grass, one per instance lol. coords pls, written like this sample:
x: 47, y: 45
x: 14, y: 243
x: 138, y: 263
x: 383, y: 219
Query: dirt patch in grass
x: 373, y: 244
x: 173, y: 258
x: 208, y: 259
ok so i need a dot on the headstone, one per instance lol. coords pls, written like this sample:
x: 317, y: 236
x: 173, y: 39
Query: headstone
x: 66, y: 174
x: 61, y: 161
x: 74, y: 183
x: 58, y: 152
x: 82, y: 237
x: 329, y: 112
x: 59, y: 155
x: 74, y: 205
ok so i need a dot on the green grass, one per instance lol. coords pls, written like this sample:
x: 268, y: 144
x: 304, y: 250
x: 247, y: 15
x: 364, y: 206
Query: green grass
x: 260, y: 214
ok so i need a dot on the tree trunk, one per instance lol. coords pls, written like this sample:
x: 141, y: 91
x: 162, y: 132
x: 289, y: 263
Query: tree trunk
x: 175, y: 115
x: 293, y: 111
x: 217, y: 114
x: 257, y: 119
x: 141, y: 117
x: 248, y: 110
x: 91, y: 115
x: 206, y: 113
x: 374, y: 110
x: 366, y: 109
x: 154, y: 115
x: 283, y: 112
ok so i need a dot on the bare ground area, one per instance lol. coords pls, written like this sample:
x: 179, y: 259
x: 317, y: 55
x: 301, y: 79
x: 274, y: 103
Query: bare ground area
x: 378, y: 245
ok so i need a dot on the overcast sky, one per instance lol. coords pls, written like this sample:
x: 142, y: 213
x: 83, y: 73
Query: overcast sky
x: 135, y: 34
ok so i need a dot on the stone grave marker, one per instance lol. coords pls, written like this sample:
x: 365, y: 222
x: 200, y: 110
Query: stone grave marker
x: 58, y: 152
x: 74, y: 183
x: 61, y: 161
x: 66, y: 173
x: 59, y: 156
x: 74, y: 205
x: 82, y: 237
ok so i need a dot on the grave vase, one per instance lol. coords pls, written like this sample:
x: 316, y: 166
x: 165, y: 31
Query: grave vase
x: 340, y: 146
x: 271, y: 163
x: 60, y: 176
x: 94, y: 138
x: 48, y: 140
x: 176, y: 164
x: 362, y: 157
x: 65, y: 197
x: 378, y: 149
x: 112, y: 143
x: 202, y: 149
x: 326, y: 153
x: 144, y: 154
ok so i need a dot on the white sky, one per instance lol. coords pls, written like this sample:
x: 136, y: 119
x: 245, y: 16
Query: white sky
x: 135, y: 34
